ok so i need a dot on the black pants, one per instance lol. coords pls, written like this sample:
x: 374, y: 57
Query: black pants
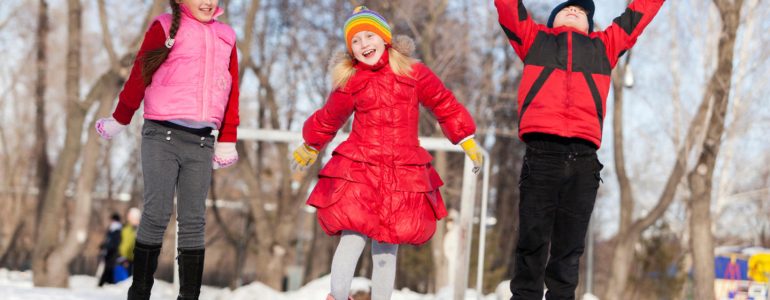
x: 559, y: 180
x: 108, y: 276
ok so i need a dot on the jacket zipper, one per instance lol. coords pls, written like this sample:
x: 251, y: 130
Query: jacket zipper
x: 206, y: 72
x: 567, y: 85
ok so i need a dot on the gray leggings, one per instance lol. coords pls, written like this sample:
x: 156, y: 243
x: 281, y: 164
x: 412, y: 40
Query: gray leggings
x: 344, y: 265
x: 175, y: 160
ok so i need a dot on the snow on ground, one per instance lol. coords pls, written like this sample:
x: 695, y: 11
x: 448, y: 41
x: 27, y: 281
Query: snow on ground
x: 15, y: 285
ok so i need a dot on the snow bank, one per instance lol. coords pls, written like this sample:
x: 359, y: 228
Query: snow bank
x: 15, y: 285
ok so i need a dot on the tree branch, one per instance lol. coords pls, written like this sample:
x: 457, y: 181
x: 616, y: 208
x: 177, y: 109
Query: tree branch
x: 106, y: 39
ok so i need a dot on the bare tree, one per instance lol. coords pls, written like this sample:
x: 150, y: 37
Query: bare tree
x: 629, y: 230
x: 41, y: 143
x: 700, y: 179
x: 17, y: 171
x: 52, y: 257
x: 54, y: 197
x: 273, y: 202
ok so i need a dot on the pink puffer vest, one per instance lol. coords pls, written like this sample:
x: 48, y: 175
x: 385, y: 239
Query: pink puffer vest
x: 194, y: 82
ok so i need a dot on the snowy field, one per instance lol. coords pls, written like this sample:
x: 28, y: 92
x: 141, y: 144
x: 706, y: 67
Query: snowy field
x: 18, y: 286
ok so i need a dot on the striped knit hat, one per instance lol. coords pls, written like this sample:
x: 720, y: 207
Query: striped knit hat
x: 364, y: 19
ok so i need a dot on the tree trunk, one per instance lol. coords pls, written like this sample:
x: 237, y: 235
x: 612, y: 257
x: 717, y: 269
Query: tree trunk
x: 626, y: 192
x: 51, y: 256
x: 11, y: 244
x: 621, y: 260
x: 48, y: 233
x: 701, y: 177
x: 320, y: 255
x: 425, y: 46
x: 623, y: 252
x: 41, y: 140
x: 630, y: 232
x: 108, y: 87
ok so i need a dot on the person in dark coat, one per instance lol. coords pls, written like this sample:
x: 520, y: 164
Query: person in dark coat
x: 109, y: 250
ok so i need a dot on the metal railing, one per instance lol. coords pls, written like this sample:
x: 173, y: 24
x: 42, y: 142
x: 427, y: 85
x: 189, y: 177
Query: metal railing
x: 468, y: 198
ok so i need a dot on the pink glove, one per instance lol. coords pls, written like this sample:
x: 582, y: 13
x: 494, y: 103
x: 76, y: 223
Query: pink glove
x: 225, y: 155
x: 108, y: 127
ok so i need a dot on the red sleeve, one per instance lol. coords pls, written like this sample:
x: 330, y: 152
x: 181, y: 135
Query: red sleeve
x: 323, y: 125
x: 621, y: 35
x: 517, y: 25
x: 228, y: 132
x: 133, y: 91
x: 456, y: 122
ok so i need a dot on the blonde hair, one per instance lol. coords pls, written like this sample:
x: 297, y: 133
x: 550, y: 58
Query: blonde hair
x: 399, y: 63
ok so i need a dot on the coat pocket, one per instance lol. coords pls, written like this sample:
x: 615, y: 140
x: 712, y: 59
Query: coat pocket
x: 405, y: 90
x: 525, y: 171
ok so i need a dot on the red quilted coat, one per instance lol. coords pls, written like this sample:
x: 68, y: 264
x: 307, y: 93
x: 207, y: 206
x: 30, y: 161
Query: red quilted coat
x: 380, y: 182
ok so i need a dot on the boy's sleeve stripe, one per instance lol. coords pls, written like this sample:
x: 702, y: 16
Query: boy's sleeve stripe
x: 621, y: 53
x: 522, y: 12
x: 535, y: 89
x: 597, y: 98
x: 511, y: 35
x: 629, y: 20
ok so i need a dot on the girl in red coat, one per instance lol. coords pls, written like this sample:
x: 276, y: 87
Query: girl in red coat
x: 379, y: 183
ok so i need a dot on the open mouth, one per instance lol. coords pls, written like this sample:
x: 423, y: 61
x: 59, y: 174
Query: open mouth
x: 207, y: 10
x: 368, y: 53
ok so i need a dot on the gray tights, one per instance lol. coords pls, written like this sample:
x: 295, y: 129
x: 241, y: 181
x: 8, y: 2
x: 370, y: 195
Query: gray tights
x: 345, y: 260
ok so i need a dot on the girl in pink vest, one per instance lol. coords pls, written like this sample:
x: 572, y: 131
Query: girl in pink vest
x: 379, y: 183
x: 186, y: 72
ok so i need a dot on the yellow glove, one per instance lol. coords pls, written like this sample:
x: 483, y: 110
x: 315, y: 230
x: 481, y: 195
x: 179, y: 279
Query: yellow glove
x: 472, y: 150
x: 303, y: 157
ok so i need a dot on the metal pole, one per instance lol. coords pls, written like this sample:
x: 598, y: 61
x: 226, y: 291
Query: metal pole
x: 483, y: 225
x: 466, y: 230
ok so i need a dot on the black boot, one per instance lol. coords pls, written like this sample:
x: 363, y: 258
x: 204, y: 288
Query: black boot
x: 145, y: 264
x: 190, y: 273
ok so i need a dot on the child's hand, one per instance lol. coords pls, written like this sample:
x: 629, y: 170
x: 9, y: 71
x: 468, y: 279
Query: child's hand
x: 472, y: 150
x: 225, y: 155
x: 108, y: 127
x: 303, y: 157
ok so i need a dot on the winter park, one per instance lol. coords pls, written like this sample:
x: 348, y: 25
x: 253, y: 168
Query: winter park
x: 384, y: 149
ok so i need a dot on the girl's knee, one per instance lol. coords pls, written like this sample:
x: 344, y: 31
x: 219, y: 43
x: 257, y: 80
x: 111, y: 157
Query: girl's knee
x: 384, y: 248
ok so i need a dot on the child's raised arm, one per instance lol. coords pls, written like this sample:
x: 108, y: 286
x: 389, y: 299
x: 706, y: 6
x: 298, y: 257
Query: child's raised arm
x: 621, y: 35
x: 456, y: 122
x: 517, y: 25
x: 323, y: 125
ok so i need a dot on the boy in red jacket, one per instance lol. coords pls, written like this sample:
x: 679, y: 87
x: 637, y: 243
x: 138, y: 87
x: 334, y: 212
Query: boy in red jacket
x: 561, y: 106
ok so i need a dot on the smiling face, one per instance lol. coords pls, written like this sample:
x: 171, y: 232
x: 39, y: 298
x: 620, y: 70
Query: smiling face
x: 367, y: 47
x: 202, y: 10
x: 572, y: 16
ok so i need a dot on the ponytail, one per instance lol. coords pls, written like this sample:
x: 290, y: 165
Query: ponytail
x: 153, y: 59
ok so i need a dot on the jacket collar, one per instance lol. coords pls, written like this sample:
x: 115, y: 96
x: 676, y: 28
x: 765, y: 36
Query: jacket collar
x: 384, y: 60
x: 563, y: 29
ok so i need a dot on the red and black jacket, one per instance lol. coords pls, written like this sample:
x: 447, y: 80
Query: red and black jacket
x: 566, y: 77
